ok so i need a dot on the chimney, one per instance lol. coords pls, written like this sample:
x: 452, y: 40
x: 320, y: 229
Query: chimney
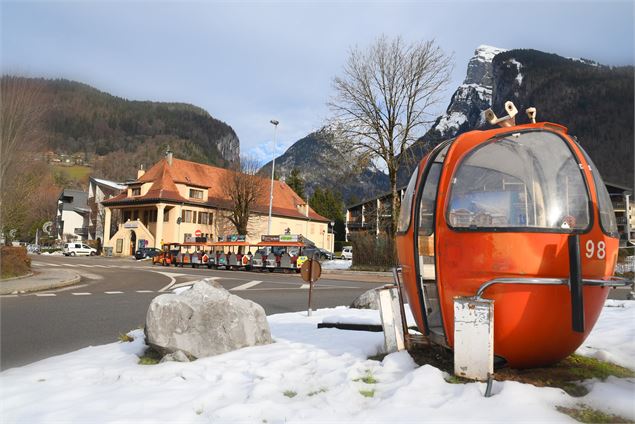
x: 307, y: 206
x: 140, y: 171
x: 168, y: 156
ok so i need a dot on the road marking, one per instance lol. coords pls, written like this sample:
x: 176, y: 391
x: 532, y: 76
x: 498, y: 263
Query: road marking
x: 37, y: 264
x: 145, y: 291
x: 72, y: 265
x: 9, y: 295
x: 170, y: 275
x: 91, y: 276
x: 81, y: 294
x: 305, y: 286
x: 85, y: 266
x: 45, y: 294
x: 246, y: 285
x: 114, y: 292
x: 101, y: 266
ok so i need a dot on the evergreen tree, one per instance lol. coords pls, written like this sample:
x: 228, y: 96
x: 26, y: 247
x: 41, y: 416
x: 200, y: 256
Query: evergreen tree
x: 329, y: 204
x: 296, y: 182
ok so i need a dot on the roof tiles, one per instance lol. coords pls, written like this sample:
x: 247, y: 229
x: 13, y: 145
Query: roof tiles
x: 164, y: 178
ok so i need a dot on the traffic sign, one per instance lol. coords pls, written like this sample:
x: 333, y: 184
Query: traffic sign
x: 198, y: 233
x: 311, y: 271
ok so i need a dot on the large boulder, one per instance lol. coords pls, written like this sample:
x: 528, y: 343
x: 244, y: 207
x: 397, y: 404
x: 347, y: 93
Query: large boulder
x: 366, y: 300
x: 205, y: 320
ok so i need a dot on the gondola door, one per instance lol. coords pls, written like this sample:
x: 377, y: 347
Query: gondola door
x: 425, y: 250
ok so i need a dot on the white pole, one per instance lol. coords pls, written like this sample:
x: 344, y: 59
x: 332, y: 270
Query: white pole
x: 273, y: 168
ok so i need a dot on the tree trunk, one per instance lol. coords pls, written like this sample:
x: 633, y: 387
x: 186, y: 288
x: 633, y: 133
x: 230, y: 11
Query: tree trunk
x: 395, y: 201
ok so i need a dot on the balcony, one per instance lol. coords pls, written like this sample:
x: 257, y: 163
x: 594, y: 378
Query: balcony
x: 357, y: 224
x: 81, y: 231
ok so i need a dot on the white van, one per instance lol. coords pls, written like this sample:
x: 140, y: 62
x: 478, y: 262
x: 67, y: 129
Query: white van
x: 75, y: 249
x: 347, y: 253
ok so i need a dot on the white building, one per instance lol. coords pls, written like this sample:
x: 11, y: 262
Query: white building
x: 98, y: 191
x: 72, y: 215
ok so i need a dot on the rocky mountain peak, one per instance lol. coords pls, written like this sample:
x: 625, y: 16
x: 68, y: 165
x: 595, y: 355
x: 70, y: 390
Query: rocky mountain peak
x: 479, y: 68
x: 471, y: 98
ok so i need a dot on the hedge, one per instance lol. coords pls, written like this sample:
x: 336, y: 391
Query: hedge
x: 14, y: 262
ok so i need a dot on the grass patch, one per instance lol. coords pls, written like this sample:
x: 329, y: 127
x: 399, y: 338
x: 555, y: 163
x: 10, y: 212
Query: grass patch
x: 317, y: 392
x: 567, y: 374
x: 585, y: 414
x: 367, y: 393
x: 150, y: 357
x: 455, y: 379
x: 74, y: 172
x: 368, y: 378
x: 125, y: 338
x: 290, y: 393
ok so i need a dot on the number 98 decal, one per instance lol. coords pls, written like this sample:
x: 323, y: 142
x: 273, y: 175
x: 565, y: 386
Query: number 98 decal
x: 600, y: 252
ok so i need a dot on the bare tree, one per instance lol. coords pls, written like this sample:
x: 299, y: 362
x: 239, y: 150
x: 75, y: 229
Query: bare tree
x: 21, y: 112
x: 245, y: 191
x: 384, y: 99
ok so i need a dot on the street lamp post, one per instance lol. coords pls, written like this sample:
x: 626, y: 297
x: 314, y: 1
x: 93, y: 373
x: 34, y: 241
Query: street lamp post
x: 273, y: 168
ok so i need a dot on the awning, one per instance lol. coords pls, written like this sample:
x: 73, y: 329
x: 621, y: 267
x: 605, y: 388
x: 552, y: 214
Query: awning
x: 230, y: 243
x: 280, y: 244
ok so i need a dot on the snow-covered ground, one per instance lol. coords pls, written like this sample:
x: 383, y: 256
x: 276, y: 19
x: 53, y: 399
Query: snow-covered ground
x: 307, y: 375
x: 337, y: 264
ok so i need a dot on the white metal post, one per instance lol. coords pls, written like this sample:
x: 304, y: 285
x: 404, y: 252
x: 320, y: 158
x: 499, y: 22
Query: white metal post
x: 273, y: 168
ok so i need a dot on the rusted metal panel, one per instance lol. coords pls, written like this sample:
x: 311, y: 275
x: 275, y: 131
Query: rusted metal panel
x: 391, y: 318
x: 473, y: 337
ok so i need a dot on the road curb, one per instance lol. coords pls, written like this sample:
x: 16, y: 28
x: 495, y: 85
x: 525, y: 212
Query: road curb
x: 353, y: 272
x: 42, y: 286
x: 30, y: 274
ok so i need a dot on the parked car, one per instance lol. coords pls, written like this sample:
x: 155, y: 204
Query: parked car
x: 33, y: 248
x: 318, y: 252
x: 325, y: 254
x: 77, y: 249
x: 347, y: 253
x: 146, y: 252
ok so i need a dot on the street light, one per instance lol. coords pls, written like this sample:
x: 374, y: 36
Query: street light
x: 273, y: 168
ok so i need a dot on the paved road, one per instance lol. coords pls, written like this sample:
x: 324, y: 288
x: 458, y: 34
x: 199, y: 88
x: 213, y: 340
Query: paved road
x: 113, y: 297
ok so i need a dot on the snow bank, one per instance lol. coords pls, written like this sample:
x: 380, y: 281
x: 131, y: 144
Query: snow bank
x: 613, y: 337
x: 337, y: 264
x: 307, y: 375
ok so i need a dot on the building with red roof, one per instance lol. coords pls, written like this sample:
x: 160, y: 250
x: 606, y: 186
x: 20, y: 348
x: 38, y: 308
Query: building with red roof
x: 150, y: 206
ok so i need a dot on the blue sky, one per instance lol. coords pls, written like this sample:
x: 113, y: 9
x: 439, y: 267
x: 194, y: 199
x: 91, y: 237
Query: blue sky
x: 249, y: 62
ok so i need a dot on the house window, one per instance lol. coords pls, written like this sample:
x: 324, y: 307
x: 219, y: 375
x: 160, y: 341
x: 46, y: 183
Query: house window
x: 136, y: 191
x: 166, y: 216
x: 196, y: 194
x: 203, y: 218
x: 186, y: 215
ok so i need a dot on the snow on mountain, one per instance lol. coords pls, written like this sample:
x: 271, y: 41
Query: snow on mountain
x: 519, y: 77
x: 472, y: 97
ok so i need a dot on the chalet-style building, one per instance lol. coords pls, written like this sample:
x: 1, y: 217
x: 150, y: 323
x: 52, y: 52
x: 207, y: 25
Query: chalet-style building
x: 150, y: 208
x: 98, y: 191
